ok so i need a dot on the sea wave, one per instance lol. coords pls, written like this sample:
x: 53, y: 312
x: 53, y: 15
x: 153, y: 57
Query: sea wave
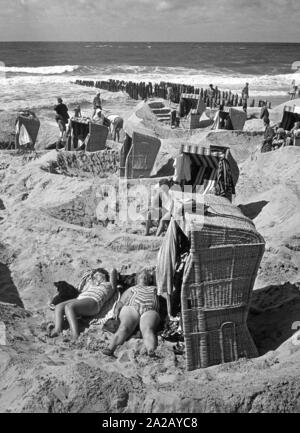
x: 225, y: 79
x: 41, y: 88
x: 40, y: 70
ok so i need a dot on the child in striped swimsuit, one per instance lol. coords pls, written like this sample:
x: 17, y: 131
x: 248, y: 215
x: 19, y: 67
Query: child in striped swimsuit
x: 139, y: 306
x: 95, y: 290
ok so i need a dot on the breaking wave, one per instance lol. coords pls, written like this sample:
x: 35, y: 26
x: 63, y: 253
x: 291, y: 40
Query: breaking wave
x: 40, y: 70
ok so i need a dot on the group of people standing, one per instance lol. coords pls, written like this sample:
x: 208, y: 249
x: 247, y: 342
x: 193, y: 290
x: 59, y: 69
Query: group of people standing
x: 114, y: 122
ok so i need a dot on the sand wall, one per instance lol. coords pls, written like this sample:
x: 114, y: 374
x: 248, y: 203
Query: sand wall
x: 84, y: 164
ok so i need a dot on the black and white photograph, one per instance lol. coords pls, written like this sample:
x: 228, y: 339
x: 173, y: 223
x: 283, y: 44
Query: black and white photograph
x: 149, y: 210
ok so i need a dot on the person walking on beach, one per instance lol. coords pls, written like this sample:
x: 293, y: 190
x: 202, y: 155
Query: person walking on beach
x: 264, y: 113
x: 211, y: 93
x: 170, y: 94
x: 245, y: 97
x: 62, y: 116
x: 293, y: 90
x: 97, y: 103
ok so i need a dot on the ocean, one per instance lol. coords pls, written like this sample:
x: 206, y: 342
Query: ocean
x: 33, y: 74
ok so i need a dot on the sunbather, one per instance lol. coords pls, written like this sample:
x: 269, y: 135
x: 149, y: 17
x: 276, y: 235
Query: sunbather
x: 95, y: 290
x: 279, y: 139
x: 138, y: 306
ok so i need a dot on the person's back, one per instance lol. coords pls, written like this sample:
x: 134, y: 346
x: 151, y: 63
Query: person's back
x: 97, y: 102
x: 62, y: 111
x: 269, y: 133
x: 264, y: 114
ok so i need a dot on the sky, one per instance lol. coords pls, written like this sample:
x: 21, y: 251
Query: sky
x: 150, y: 20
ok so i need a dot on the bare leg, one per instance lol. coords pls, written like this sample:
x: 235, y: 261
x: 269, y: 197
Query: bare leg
x: 149, y: 323
x: 129, y: 319
x: 80, y: 307
x: 59, y: 318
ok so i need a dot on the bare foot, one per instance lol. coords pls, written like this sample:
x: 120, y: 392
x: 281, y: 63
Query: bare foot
x: 108, y: 352
x: 53, y: 334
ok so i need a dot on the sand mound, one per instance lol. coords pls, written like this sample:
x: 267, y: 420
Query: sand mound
x: 46, y: 376
x: 48, y: 233
x: 288, y: 104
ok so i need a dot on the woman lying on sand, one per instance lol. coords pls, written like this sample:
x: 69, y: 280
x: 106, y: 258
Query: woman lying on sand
x: 95, y: 290
x: 138, y: 306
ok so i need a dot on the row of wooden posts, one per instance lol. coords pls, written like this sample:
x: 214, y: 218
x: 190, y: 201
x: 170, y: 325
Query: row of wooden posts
x: 144, y: 90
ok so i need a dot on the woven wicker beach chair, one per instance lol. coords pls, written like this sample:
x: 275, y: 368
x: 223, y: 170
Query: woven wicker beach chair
x: 142, y: 156
x: 226, y: 251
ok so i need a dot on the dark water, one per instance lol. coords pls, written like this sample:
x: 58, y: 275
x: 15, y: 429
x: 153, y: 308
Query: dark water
x: 244, y: 58
x: 33, y: 74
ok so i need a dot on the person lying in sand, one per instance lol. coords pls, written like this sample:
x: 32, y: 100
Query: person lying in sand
x: 138, y: 306
x: 95, y: 290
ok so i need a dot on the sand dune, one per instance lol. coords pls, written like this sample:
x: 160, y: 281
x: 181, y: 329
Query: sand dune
x: 48, y: 232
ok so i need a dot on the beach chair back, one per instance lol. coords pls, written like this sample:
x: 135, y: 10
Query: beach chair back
x: 97, y: 138
x: 142, y: 156
x: 224, y: 259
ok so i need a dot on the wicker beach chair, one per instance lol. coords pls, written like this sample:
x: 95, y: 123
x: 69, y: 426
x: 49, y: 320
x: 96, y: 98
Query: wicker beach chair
x: 97, y: 137
x: 226, y: 251
x: 142, y: 156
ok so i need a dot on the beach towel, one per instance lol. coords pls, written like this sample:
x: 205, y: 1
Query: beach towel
x: 182, y: 167
x: 27, y: 126
x: 238, y: 119
x: 24, y: 138
x: 166, y: 261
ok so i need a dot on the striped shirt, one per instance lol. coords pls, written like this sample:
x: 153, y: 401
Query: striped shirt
x: 145, y: 297
x: 100, y: 293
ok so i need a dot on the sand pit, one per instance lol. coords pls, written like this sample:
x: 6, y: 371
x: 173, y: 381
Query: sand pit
x: 49, y: 233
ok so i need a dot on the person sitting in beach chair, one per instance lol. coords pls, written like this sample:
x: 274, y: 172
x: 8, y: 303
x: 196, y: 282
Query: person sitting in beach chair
x: 138, y: 306
x: 280, y: 139
x: 94, y: 291
x: 293, y: 134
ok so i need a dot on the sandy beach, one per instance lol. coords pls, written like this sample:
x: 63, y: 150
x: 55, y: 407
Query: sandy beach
x: 49, y: 233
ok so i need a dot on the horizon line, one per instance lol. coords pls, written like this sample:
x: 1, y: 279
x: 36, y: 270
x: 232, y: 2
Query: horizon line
x: 155, y: 42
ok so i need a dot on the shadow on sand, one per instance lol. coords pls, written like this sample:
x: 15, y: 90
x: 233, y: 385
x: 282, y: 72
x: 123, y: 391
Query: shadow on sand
x: 252, y: 210
x: 8, y: 291
x: 273, y: 316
